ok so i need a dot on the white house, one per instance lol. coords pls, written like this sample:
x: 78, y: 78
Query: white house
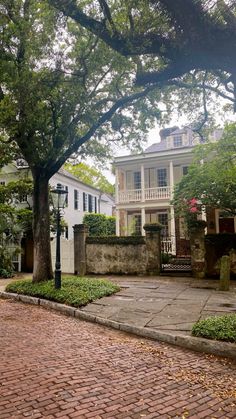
x: 145, y: 182
x: 82, y: 198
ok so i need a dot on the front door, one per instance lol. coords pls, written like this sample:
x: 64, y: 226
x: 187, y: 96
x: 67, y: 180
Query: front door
x: 226, y: 225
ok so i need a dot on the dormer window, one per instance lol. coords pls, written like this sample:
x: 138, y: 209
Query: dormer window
x: 178, y: 141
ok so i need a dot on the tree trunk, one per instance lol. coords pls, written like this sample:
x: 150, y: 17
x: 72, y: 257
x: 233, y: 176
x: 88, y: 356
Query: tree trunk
x: 41, y: 230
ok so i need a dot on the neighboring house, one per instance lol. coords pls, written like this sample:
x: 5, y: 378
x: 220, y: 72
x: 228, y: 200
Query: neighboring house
x: 145, y: 182
x: 82, y: 198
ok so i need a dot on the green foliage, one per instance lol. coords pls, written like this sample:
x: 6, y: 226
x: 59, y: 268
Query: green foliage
x: 218, y: 327
x: 75, y: 291
x: 100, y: 224
x: 14, y: 191
x: 13, y: 222
x: 165, y: 257
x: 8, y: 152
x: 123, y: 240
x: 90, y: 176
x: 212, y: 183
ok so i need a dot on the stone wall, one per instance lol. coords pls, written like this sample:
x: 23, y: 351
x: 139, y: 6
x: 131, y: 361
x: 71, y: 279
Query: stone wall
x: 218, y: 245
x: 115, y: 258
x: 117, y: 255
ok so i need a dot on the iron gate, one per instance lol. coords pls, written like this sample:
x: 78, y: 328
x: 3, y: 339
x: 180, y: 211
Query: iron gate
x: 175, y: 255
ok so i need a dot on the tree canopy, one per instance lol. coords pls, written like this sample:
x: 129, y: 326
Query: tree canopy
x: 172, y: 38
x: 61, y: 86
x: 91, y: 176
x: 211, y: 179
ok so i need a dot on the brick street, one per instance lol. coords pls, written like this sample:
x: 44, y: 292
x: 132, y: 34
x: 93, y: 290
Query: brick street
x: 54, y: 366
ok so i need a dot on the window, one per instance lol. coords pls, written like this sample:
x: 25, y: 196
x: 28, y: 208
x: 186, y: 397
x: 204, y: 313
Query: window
x: 76, y: 199
x: 85, y: 201
x: 66, y: 200
x: 178, y: 142
x: 95, y: 204
x: 162, y: 177
x: 66, y: 232
x: 90, y: 203
x: 163, y: 219
x: 137, y: 180
x: 137, y: 225
x: 2, y: 183
x: 185, y: 170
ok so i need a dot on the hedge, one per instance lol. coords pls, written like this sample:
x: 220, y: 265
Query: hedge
x: 100, y: 225
x: 124, y: 240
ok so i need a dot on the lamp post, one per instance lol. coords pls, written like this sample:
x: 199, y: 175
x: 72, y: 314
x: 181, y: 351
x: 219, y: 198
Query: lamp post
x: 58, y: 200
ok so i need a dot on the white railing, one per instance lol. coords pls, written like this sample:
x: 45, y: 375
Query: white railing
x: 150, y: 194
x: 166, y: 245
x: 129, y: 196
x: 157, y: 193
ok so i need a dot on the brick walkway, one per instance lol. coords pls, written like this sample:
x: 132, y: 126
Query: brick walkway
x: 58, y: 367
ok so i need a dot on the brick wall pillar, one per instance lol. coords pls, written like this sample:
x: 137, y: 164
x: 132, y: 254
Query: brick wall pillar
x: 153, y: 248
x: 80, y: 234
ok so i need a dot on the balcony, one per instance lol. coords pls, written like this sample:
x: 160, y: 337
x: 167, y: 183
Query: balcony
x: 150, y: 194
x: 125, y: 197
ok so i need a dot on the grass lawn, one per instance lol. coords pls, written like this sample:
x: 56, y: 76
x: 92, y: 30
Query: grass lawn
x: 75, y: 291
x: 217, y: 327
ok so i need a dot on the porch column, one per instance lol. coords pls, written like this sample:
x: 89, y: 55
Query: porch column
x: 143, y: 221
x: 142, y: 184
x: 171, y: 171
x: 117, y: 185
x: 117, y: 222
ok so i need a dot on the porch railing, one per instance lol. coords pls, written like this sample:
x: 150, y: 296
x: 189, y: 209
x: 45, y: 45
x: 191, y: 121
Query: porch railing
x: 157, y: 193
x: 150, y: 194
x: 129, y: 196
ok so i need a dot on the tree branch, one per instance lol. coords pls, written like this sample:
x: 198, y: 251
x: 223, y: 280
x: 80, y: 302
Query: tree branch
x: 121, y: 103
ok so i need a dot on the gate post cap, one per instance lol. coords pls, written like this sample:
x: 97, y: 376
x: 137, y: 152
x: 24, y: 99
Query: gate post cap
x: 80, y: 228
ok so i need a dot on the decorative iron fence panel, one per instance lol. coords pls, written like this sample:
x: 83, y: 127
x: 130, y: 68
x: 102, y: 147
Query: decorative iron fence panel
x: 175, y: 259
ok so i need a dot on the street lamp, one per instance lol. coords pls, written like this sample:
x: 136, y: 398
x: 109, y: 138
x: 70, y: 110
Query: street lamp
x: 58, y: 201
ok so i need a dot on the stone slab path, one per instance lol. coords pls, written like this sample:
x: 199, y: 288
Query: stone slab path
x: 166, y: 304
x: 53, y: 366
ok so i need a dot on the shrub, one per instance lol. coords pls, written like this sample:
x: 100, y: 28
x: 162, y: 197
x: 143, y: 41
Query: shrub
x: 217, y: 327
x: 100, y: 225
x: 165, y: 258
x: 75, y: 291
x: 6, y: 265
x: 123, y: 240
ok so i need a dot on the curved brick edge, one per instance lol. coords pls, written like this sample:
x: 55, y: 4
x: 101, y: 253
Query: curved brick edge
x: 224, y: 349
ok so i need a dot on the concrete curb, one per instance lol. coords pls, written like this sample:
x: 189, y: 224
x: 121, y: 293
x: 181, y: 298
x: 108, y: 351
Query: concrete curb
x: 224, y: 349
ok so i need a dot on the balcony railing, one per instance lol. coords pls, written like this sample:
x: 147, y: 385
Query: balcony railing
x: 157, y: 193
x: 129, y: 196
x: 150, y: 194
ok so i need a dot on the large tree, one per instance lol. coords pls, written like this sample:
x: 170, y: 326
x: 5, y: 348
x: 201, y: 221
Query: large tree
x: 173, y: 38
x: 211, y: 179
x: 59, y: 87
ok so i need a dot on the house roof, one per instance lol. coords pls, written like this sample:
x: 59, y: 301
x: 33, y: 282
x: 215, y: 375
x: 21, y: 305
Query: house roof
x: 108, y: 198
x: 64, y: 172
x: 179, y: 131
x: 156, y: 147
x: 104, y: 196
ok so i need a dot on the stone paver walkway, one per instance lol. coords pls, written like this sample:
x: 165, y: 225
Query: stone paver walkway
x: 165, y: 304
x: 53, y: 366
